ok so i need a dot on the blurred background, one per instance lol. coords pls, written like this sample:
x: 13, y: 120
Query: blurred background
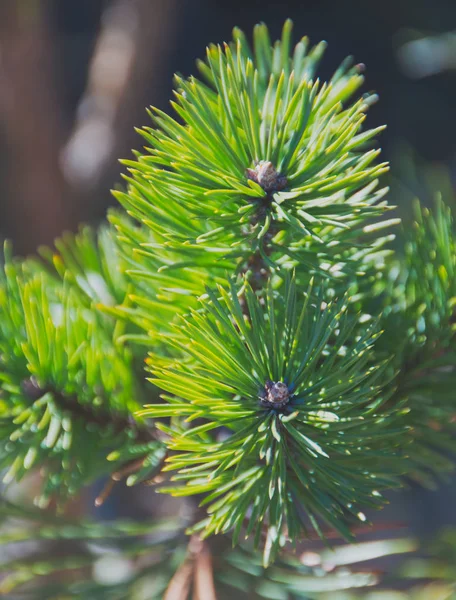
x: 76, y: 76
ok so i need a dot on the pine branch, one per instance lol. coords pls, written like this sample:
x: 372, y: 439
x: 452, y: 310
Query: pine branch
x: 295, y: 190
x: 70, y: 387
x: 418, y: 295
x: 295, y: 390
x: 304, y: 368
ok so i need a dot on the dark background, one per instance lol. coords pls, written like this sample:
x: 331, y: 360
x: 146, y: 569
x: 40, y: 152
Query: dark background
x: 75, y: 76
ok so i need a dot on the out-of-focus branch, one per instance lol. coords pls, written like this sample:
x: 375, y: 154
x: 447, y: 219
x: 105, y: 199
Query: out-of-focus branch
x: 196, y: 568
x: 29, y: 116
x: 204, y: 588
x: 129, y: 56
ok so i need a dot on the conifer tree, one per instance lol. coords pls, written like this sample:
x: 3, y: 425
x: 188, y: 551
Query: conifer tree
x: 241, y: 333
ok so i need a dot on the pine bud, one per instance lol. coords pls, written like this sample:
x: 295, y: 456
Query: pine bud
x: 266, y: 175
x: 275, y: 395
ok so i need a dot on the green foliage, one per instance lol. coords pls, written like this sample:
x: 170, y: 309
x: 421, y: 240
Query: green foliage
x: 69, y: 388
x: 158, y: 293
x: 279, y: 466
x: 305, y: 367
x: 263, y: 159
x: 418, y: 295
x: 421, y: 285
x: 93, y: 263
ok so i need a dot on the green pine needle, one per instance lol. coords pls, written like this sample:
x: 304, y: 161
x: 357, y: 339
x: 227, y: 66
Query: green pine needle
x: 322, y: 455
x: 261, y: 159
x: 69, y: 387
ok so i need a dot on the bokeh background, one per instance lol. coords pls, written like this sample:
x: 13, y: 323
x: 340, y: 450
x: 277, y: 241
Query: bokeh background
x: 76, y: 76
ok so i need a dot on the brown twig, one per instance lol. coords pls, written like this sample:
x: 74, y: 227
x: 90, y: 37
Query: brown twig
x: 203, y: 584
x: 181, y: 582
x: 179, y: 586
x: 129, y: 469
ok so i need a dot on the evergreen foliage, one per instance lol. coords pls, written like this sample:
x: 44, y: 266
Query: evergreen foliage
x: 418, y: 297
x: 289, y: 458
x: 69, y: 387
x: 305, y: 366
x: 262, y: 161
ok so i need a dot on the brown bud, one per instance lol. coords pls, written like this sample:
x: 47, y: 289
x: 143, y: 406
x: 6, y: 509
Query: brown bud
x: 275, y: 395
x: 266, y: 175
